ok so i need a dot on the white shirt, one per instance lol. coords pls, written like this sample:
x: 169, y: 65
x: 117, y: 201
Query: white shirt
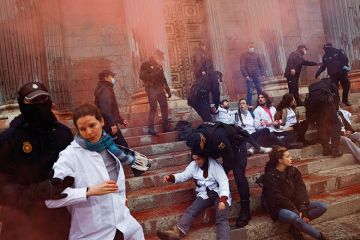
x: 290, y: 117
x: 261, y: 114
x: 248, y: 122
x: 225, y: 115
x: 216, y: 179
x: 95, y: 217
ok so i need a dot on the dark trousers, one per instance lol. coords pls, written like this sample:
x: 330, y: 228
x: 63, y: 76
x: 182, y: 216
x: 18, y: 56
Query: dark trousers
x: 301, y: 129
x: 293, y: 85
x: 249, y: 85
x: 202, y: 107
x: 345, y: 84
x: 266, y: 138
x: 118, y: 137
x: 328, y: 125
x: 154, y: 97
x: 239, y: 168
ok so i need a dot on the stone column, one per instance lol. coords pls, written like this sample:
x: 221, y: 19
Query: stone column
x: 217, y: 41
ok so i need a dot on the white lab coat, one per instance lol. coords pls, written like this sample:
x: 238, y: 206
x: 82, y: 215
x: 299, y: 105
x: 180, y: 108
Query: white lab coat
x: 216, y: 179
x: 248, y: 122
x: 95, y: 217
x: 225, y: 115
x: 261, y: 114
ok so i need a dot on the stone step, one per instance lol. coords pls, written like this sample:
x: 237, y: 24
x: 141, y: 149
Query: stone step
x: 164, y: 148
x: 162, y: 194
x: 144, y: 140
x: 339, y: 201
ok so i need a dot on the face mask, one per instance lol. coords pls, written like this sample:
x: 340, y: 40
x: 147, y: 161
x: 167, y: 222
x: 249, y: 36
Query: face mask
x: 113, y: 81
x: 304, y: 51
x: 251, y: 49
x: 38, y: 115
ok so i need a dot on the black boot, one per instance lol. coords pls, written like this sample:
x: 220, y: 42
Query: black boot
x: 326, y: 149
x: 244, y: 215
x: 295, y: 233
x: 166, y: 127
x: 152, y: 130
x: 335, y: 151
x: 321, y: 237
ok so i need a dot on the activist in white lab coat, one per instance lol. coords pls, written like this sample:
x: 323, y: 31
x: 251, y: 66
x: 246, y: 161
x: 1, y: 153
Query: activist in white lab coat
x: 224, y: 114
x: 212, y: 188
x: 264, y: 114
x: 96, y: 202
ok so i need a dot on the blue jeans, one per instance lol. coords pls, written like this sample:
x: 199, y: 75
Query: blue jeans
x: 315, y: 210
x: 249, y: 85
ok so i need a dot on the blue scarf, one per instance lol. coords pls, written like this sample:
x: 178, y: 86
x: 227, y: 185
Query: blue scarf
x: 125, y: 156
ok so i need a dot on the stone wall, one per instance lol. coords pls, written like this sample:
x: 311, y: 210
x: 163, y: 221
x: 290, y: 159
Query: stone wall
x: 94, y: 38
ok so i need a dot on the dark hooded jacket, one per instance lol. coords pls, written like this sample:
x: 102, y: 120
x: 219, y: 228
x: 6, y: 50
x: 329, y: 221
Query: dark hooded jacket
x: 105, y: 100
x: 284, y: 190
x: 27, y: 155
x: 296, y: 61
x: 333, y: 60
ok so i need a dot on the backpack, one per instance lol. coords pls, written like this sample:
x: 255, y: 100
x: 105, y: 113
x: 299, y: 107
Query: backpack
x: 200, y: 88
x: 184, y: 129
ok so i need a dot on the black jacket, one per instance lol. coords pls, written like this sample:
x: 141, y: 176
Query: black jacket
x: 152, y: 74
x: 27, y: 156
x: 296, y: 61
x: 334, y: 60
x: 284, y: 190
x: 200, y: 59
x: 105, y: 100
x: 251, y: 65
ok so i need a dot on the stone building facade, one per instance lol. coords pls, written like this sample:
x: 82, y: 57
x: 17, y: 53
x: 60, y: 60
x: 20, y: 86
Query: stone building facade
x: 65, y: 43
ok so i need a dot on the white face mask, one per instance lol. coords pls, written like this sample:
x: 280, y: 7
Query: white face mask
x: 251, y: 49
x: 113, y: 81
x: 304, y: 51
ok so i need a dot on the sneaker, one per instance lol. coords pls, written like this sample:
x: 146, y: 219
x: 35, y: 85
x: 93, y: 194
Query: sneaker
x: 265, y: 150
x: 250, y: 151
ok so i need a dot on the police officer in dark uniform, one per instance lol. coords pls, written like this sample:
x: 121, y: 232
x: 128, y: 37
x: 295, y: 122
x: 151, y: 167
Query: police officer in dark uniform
x: 225, y: 142
x: 293, y: 69
x: 337, y: 64
x: 152, y: 74
x: 199, y: 58
x: 198, y: 97
x: 28, y: 150
x: 321, y: 109
x: 105, y: 100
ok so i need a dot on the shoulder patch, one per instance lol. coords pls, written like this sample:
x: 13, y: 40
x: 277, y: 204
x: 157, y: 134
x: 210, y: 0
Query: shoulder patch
x: 27, y: 148
x: 221, y: 146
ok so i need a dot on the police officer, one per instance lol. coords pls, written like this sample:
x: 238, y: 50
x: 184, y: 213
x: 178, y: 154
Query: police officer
x: 28, y: 150
x: 293, y: 69
x: 337, y: 64
x: 199, y: 58
x: 152, y: 74
x: 226, y: 143
x: 198, y: 97
x: 321, y: 108
x: 105, y: 100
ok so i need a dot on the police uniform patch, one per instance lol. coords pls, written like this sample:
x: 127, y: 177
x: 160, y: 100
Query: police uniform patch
x: 27, y: 148
x: 221, y: 146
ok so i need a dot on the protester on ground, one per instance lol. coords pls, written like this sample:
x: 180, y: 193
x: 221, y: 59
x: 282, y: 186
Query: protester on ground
x: 212, y: 187
x: 286, y: 197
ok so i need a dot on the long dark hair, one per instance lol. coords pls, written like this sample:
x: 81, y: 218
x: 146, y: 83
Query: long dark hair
x: 274, y: 156
x: 267, y: 97
x: 286, y: 101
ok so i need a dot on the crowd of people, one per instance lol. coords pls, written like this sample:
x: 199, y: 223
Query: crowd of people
x: 44, y: 168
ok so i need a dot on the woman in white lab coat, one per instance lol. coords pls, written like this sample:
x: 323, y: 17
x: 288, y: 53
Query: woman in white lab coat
x: 97, y: 200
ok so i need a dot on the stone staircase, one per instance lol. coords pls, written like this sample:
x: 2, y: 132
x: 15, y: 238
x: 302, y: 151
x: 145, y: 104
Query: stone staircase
x: 158, y: 205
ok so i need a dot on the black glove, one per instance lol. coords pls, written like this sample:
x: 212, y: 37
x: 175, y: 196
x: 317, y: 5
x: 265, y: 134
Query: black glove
x: 50, y: 189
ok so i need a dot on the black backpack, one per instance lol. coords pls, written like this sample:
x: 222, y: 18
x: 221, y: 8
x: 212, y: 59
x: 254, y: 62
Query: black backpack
x: 184, y: 129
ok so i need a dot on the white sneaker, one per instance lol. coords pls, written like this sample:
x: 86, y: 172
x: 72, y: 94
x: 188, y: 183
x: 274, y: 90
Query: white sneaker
x: 250, y: 151
x: 265, y: 150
